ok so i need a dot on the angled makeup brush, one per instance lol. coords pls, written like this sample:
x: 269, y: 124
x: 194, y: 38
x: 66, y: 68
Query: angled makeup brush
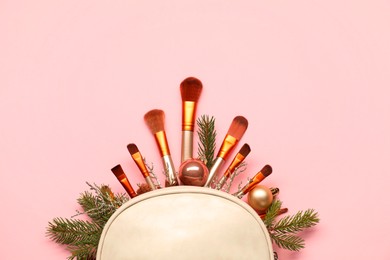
x: 234, y: 134
x: 261, y: 175
x: 190, y: 90
x: 238, y: 159
x: 155, y: 120
x: 137, y: 157
x: 122, y: 178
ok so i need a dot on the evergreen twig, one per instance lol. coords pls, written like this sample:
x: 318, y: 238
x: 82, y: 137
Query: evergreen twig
x: 83, y: 252
x: 82, y: 236
x: 297, y: 222
x: 71, y: 231
x: 271, y: 213
x: 283, y: 232
x: 100, y: 205
x: 288, y: 241
x: 207, y: 136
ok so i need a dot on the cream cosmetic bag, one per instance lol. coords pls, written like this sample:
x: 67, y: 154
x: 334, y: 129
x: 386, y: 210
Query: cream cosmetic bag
x: 185, y: 222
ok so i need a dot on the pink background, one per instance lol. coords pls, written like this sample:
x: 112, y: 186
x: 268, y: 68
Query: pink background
x: 312, y: 77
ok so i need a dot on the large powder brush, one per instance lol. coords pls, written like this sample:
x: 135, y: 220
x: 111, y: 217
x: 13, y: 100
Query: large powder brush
x: 234, y: 134
x: 155, y: 120
x: 190, y: 90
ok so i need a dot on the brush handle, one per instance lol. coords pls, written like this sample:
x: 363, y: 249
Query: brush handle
x: 187, y: 141
x: 150, y: 183
x: 170, y: 170
x: 214, y: 171
x: 221, y: 182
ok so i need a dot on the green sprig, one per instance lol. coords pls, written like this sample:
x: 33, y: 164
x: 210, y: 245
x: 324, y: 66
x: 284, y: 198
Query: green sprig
x: 288, y: 241
x: 82, y: 236
x: 284, y: 232
x: 297, y: 222
x: 207, y: 135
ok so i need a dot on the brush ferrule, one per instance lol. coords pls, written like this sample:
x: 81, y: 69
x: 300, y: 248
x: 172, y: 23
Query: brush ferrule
x: 126, y: 185
x: 214, y: 171
x: 228, y: 143
x: 140, y: 163
x: 239, y: 194
x: 150, y: 183
x: 253, y: 182
x: 235, y: 163
x: 188, y: 115
x: 221, y: 182
x: 170, y: 171
x: 162, y: 143
x: 187, y: 143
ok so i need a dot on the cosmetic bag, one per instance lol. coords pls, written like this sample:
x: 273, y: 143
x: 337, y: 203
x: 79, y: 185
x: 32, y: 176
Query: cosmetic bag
x: 185, y: 222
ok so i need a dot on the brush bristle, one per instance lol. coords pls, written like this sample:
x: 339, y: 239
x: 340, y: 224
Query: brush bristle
x: 238, y: 127
x: 132, y: 149
x: 267, y: 170
x: 190, y: 89
x: 155, y: 120
x: 245, y: 150
x: 117, y: 170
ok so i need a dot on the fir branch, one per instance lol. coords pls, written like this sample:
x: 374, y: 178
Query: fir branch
x: 207, y: 136
x: 271, y: 214
x: 73, y: 231
x: 100, y: 205
x: 283, y: 232
x: 81, y: 236
x: 297, y: 222
x: 288, y: 241
x: 83, y: 252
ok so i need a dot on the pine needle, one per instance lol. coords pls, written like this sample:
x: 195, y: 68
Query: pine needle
x: 283, y: 232
x: 288, y: 241
x: 101, y: 204
x: 207, y: 136
x: 82, y: 236
x: 72, y: 231
x: 297, y: 222
x: 271, y: 213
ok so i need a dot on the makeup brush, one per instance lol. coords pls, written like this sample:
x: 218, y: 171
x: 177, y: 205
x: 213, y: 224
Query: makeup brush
x: 190, y: 90
x: 234, y: 134
x: 261, y: 175
x: 122, y: 178
x: 238, y: 159
x: 155, y: 120
x: 137, y: 157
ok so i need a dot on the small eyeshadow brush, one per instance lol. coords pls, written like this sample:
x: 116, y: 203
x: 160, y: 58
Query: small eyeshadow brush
x: 139, y: 161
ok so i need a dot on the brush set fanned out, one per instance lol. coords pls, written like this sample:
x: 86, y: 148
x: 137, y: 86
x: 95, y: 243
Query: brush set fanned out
x: 192, y: 171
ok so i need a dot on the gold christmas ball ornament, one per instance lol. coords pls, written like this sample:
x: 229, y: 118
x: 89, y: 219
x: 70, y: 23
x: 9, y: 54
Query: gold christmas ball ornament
x: 260, y: 198
x: 193, y: 172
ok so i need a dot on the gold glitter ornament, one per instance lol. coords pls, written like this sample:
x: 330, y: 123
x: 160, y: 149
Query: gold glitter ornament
x: 260, y: 198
